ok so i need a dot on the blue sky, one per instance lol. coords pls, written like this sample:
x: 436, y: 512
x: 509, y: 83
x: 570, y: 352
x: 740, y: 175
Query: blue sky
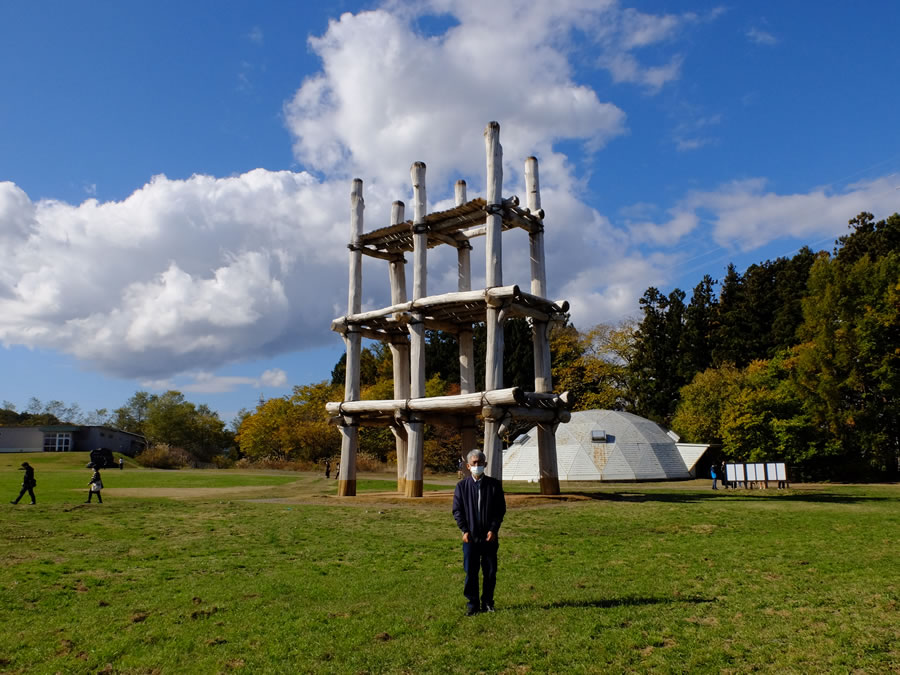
x: 174, y: 177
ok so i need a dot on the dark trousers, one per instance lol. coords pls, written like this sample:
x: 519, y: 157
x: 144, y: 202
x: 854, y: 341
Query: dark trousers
x: 483, y: 556
x: 29, y: 490
x: 91, y: 493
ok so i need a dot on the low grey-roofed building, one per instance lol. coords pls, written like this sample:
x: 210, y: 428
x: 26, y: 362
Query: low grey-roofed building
x: 606, y: 445
x: 69, y: 438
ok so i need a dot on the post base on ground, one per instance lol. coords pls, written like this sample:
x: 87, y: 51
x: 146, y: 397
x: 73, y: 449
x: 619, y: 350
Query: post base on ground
x: 401, y: 486
x: 413, y: 488
x: 346, y: 488
x: 549, y: 485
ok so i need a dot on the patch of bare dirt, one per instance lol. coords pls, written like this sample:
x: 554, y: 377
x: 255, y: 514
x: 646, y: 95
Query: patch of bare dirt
x: 190, y: 493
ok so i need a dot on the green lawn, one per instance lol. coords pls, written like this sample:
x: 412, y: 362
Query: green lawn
x: 289, y: 578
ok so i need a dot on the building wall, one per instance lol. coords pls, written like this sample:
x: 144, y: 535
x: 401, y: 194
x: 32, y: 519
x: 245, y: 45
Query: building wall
x: 90, y: 438
x: 21, y: 439
x: 84, y: 439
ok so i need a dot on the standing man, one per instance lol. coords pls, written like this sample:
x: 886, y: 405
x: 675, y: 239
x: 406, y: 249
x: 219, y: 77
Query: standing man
x: 28, y: 483
x: 479, y: 507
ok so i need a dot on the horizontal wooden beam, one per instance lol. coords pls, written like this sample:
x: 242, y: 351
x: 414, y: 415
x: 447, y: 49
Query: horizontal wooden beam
x: 461, y: 403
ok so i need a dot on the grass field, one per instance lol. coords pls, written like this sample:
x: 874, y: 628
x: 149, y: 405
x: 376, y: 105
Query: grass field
x: 269, y: 572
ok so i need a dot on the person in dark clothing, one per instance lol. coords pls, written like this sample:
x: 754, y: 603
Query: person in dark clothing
x: 96, y: 485
x: 479, y: 507
x: 327, y: 468
x: 28, y: 483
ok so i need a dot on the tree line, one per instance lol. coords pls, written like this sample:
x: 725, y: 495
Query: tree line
x: 795, y: 359
x: 169, y: 422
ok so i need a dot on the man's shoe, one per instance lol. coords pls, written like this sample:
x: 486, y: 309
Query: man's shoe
x: 471, y: 611
x: 487, y: 608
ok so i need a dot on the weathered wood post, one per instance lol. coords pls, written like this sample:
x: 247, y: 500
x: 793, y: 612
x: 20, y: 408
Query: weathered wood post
x: 543, y: 378
x: 464, y: 336
x: 350, y: 433
x: 415, y: 428
x: 493, y: 373
x: 399, y: 352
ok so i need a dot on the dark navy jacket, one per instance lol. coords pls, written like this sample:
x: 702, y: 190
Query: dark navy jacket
x: 493, y: 506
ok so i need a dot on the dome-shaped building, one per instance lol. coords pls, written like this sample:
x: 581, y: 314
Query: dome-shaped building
x: 606, y: 445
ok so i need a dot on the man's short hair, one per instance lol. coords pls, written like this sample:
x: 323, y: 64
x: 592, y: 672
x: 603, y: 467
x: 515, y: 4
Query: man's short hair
x: 475, y: 454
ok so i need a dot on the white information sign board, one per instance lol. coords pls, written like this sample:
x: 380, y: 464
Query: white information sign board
x: 730, y: 473
x: 751, y: 472
x: 781, y: 471
x: 739, y: 472
x: 770, y: 471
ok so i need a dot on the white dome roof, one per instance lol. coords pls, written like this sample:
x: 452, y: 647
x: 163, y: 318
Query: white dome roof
x: 601, y: 445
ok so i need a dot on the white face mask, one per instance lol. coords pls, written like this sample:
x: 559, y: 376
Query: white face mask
x: 476, y: 470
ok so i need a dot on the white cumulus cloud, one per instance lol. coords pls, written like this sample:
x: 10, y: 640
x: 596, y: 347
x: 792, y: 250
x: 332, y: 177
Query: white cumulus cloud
x: 181, y: 275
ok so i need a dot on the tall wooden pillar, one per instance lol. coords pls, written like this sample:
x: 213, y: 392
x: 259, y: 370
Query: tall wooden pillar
x: 543, y: 378
x: 399, y: 352
x: 465, y: 336
x: 350, y: 433
x: 493, y: 375
x: 415, y: 428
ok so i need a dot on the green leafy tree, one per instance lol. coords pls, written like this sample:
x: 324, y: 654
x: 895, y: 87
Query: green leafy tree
x: 765, y: 419
x: 131, y: 416
x: 849, y: 364
x: 172, y: 420
x: 698, y: 418
x: 370, y: 365
x: 868, y: 238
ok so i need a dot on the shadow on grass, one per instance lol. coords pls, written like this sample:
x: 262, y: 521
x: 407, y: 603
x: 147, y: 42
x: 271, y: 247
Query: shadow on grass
x: 733, y: 496
x: 607, y: 603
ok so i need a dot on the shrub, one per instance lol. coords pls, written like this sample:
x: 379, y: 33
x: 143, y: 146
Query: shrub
x: 164, y: 456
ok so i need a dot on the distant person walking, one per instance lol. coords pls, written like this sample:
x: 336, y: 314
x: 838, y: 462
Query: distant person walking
x: 96, y: 485
x: 713, y: 472
x: 327, y: 468
x: 28, y: 483
x: 121, y: 463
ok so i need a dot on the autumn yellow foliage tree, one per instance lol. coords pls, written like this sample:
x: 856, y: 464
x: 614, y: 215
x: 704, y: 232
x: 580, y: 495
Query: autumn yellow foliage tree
x: 592, y: 366
x: 292, y: 427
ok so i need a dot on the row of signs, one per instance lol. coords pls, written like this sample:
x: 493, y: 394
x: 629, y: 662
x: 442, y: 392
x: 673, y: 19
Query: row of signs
x: 756, y: 472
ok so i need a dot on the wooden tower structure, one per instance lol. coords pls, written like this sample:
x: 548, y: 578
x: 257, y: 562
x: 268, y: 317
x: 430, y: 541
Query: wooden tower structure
x: 402, y: 325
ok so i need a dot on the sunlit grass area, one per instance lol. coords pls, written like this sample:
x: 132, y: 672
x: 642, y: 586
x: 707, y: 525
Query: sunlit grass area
x: 289, y: 578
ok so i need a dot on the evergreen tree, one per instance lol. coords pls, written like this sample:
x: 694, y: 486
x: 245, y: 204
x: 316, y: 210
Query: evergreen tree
x: 654, y: 372
x: 696, y: 343
x: 732, y: 325
x: 791, y: 276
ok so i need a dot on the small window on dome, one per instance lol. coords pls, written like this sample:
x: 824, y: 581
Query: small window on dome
x: 598, y: 436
